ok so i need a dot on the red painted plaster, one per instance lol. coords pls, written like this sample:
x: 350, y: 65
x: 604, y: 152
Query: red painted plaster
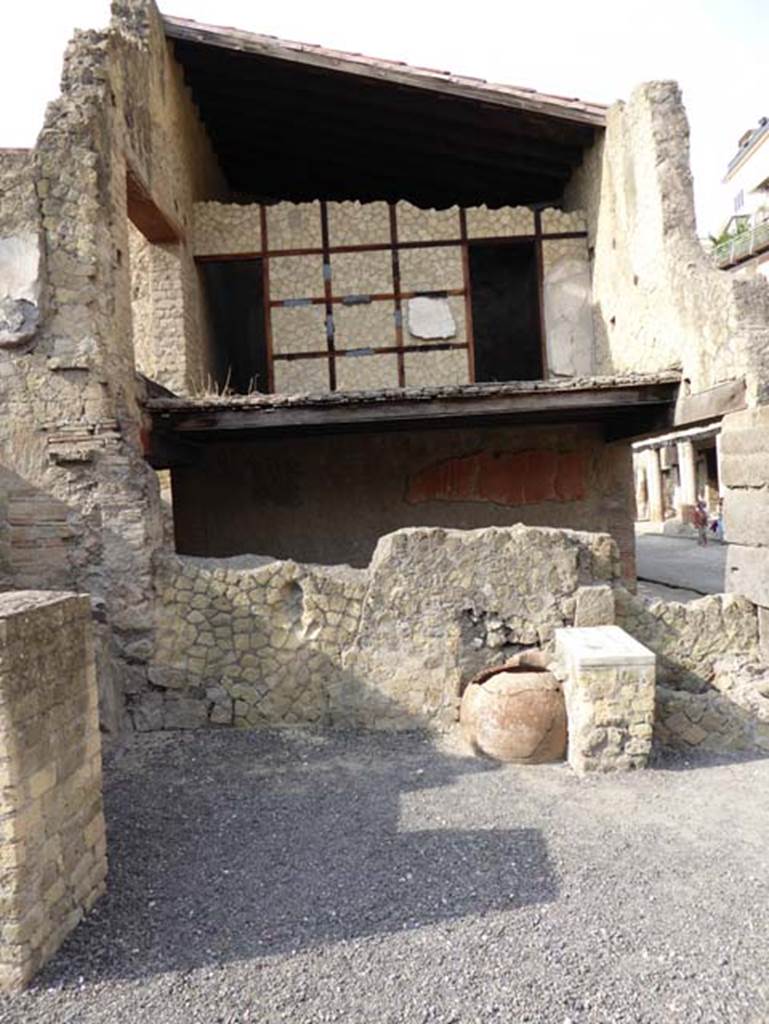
x: 503, y: 478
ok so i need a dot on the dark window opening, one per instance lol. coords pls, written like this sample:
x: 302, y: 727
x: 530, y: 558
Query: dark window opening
x: 235, y: 301
x: 505, y: 303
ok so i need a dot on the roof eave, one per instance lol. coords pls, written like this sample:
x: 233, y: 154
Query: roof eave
x: 504, y: 96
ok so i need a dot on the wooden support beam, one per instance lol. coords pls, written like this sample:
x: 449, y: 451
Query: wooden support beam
x: 335, y: 149
x: 167, y: 451
x: 319, y: 149
x: 712, y: 403
x: 292, y: 92
x: 256, y: 123
x: 599, y: 405
x: 144, y: 213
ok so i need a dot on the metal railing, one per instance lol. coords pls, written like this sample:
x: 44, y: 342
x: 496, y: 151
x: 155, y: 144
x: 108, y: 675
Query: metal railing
x: 742, y: 246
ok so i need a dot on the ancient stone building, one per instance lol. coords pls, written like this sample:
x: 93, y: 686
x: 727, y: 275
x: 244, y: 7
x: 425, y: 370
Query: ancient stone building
x: 265, y: 300
x: 318, y: 376
x: 660, y: 303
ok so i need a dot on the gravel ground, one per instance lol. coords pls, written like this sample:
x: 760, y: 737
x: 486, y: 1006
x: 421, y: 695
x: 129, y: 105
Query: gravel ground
x: 304, y: 877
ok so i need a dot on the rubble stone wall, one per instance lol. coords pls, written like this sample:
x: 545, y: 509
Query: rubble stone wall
x: 260, y: 641
x: 52, y: 839
x: 691, y: 639
x: 168, y: 148
x: 712, y: 674
x: 82, y: 503
x: 254, y: 641
x: 658, y: 301
x: 714, y: 721
x: 330, y: 499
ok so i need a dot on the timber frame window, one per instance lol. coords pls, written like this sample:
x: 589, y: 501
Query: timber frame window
x: 306, y: 303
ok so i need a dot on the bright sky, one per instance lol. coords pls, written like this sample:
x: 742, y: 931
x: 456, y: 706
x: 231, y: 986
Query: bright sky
x: 595, y: 49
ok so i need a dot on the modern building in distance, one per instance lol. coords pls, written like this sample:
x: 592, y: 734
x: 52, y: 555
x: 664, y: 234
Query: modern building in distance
x: 746, y: 251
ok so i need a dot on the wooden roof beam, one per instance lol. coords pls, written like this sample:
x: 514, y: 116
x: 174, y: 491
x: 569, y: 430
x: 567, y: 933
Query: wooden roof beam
x: 385, y: 71
x: 205, y: 75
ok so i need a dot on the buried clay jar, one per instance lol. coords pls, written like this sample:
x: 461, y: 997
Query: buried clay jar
x: 516, y: 713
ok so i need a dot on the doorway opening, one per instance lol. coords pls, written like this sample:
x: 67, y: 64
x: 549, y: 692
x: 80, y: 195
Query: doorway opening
x: 235, y: 301
x: 505, y: 305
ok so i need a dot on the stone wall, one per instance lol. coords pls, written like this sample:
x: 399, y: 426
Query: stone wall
x: 330, y: 499
x: 82, y: 504
x: 171, y: 339
x: 142, y: 315
x: 714, y: 722
x: 658, y: 301
x: 168, y: 149
x: 52, y: 839
x: 20, y: 251
x: 712, y: 675
x: 260, y: 641
x: 299, y: 324
x: 690, y: 640
x: 744, y: 466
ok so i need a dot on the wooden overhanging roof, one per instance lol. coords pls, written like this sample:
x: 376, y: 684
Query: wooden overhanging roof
x: 300, y: 122
x: 626, y: 406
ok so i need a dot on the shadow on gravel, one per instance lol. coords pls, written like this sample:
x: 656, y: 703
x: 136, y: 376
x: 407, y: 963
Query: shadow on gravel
x: 686, y: 761
x: 252, y: 845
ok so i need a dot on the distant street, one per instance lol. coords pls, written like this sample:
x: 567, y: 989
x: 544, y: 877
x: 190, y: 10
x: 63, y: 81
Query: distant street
x: 679, y: 562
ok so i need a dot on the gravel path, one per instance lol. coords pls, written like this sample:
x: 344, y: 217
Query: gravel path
x: 301, y: 877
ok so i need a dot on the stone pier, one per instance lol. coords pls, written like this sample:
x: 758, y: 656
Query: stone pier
x: 609, y: 689
x: 52, y: 839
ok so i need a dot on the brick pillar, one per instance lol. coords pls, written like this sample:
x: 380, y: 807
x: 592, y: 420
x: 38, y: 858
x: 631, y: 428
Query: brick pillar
x: 52, y: 840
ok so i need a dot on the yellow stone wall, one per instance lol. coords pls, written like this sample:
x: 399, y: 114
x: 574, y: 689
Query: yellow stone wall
x: 300, y: 375
x: 554, y: 221
x: 298, y: 329
x: 222, y: 228
x: 294, y: 226
x: 369, y: 326
x: 296, y: 277
x: 361, y: 372
x: 424, y: 369
x: 557, y: 249
x: 358, y: 223
x: 367, y: 273
x: 416, y: 225
x: 485, y: 223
